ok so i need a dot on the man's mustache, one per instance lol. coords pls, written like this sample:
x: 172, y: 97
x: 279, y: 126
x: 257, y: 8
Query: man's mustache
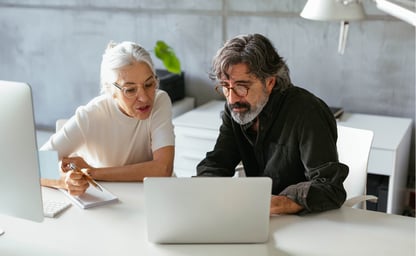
x: 239, y: 105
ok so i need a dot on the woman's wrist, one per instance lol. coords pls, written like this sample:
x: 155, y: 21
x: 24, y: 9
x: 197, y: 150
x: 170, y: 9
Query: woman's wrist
x: 91, y: 172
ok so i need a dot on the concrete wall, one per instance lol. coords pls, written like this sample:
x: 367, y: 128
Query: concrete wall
x: 56, y: 46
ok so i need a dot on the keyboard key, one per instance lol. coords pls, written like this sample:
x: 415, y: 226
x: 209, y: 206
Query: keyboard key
x: 52, y: 208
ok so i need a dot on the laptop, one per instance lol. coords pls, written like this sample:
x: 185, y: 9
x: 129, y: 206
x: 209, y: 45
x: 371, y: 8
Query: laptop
x: 207, y: 209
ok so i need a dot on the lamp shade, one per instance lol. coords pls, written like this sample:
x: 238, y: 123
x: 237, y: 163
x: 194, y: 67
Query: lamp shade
x: 333, y: 10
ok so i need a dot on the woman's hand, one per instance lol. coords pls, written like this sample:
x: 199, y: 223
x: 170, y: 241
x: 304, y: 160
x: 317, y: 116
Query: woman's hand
x: 75, y: 181
x: 77, y: 161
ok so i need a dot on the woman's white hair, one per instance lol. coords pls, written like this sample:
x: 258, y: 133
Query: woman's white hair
x: 119, y: 55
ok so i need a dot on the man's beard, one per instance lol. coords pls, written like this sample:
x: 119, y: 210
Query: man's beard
x: 252, y: 112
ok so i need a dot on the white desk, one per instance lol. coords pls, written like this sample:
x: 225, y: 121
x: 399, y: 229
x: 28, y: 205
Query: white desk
x: 197, y: 130
x: 120, y: 229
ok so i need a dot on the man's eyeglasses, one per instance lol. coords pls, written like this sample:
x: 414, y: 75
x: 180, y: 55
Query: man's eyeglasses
x: 239, y: 90
x: 131, y: 91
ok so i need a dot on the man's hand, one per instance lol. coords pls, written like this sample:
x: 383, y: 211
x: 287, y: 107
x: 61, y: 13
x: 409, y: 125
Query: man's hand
x: 283, y: 205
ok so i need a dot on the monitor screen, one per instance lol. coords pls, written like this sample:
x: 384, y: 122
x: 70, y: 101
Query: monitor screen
x: 20, y: 190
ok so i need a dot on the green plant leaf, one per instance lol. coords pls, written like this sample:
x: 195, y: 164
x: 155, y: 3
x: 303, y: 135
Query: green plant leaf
x: 166, y: 54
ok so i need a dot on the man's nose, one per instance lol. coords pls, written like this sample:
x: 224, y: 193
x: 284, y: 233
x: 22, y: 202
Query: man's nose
x: 232, y: 96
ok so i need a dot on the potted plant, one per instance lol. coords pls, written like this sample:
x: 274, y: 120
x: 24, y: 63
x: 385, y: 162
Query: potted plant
x: 167, y: 55
x: 172, y: 79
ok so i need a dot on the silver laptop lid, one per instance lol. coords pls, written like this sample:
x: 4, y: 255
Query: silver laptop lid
x: 207, y: 210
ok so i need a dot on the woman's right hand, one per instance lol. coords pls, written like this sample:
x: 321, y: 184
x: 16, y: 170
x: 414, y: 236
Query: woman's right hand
x: 75, y: 182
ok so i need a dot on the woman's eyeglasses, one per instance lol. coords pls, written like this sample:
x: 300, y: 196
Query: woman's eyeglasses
x: 132, y: 91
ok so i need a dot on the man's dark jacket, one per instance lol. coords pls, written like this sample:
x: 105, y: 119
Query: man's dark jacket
x: 295, y: 146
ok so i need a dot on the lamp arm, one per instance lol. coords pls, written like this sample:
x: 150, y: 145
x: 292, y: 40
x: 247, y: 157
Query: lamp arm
x: 343, y: 33
x: 393, y: 8
x: 397, y: 10
x: 406, y: 2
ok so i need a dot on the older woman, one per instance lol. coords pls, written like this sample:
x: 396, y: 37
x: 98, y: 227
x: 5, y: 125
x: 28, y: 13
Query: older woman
x: 126, y: 133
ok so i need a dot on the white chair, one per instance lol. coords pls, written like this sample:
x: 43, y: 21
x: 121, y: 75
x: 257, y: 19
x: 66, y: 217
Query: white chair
x: 353, y: 147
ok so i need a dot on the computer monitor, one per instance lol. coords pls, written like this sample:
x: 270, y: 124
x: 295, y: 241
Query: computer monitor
x: 20, y: 190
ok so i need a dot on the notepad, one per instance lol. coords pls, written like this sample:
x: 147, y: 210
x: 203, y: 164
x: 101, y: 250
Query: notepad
x: 92, y: 197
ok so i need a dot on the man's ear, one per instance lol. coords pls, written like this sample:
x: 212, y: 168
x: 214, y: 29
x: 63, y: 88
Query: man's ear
x: 270, y: 83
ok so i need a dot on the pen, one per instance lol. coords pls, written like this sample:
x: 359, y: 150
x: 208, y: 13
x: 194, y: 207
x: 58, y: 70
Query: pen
x: 84, y: 171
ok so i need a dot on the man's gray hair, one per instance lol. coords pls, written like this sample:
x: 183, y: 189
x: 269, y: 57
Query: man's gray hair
x: 258, y: 53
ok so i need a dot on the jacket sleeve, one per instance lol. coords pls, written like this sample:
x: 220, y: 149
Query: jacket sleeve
x: 223, y: 159
x: 323, y: 190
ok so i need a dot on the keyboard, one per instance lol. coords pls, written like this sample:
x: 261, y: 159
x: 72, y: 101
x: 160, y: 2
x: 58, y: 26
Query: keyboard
x: 52, y: 209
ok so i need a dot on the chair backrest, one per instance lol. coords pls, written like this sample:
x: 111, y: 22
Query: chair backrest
x: 353, y: 147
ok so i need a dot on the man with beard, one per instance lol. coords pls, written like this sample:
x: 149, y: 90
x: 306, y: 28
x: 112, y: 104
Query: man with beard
x: 275, y: 129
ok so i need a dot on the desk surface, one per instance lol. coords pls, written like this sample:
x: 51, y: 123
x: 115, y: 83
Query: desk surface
x: 120, y: 229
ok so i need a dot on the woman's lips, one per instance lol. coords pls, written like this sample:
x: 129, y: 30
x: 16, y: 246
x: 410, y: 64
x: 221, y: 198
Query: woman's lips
x: 143, y: 109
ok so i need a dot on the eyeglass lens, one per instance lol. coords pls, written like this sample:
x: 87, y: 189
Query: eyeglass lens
x: 131, y: 92
x: 239, y: 90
